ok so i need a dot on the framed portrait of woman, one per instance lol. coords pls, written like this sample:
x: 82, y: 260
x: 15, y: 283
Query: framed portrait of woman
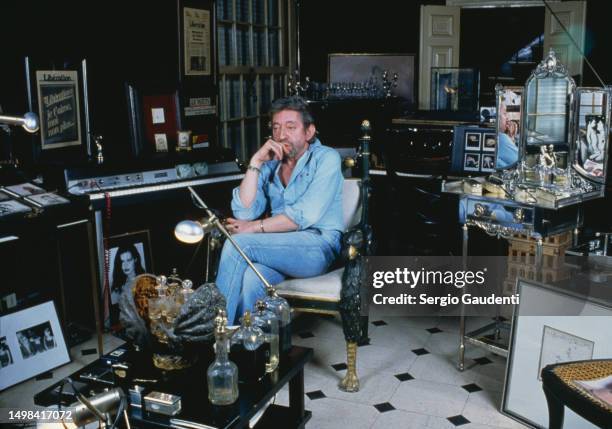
x: 127, y: 256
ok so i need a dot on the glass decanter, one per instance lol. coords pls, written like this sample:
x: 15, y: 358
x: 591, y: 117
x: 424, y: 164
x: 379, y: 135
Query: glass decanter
x: 185, y: 292
x: 251, y: 336
x: 249, y: 350
x: 268, y: 322
x: 280, y: 307
x: 222, y: 374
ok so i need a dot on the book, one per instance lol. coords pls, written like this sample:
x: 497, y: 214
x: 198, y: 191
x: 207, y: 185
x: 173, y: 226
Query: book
x: 600, y: 388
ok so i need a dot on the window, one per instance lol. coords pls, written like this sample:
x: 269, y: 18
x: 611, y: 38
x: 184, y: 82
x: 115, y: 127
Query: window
x: 254, y: 58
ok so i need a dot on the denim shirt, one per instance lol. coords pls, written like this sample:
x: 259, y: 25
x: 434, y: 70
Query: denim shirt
x: 312, y: 198
x: 507, y: 151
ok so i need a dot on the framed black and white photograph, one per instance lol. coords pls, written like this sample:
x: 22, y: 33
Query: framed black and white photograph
x: 161, y: 142
x: 550, y: 325
x: 31, y: 342
x: 11, y: 207
x: 489, y: 142
x: 23, y: 190
x: 129, y: 255
x: 471, y: 162
x: 488, y: 162
x: 47, y: 199
x: 472, y: 141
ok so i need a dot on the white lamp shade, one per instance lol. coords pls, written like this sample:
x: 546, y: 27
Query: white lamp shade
x: 189, y: 231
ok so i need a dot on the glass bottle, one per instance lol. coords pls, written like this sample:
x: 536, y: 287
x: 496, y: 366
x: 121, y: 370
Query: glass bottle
x: 174, y: 282
x: 268, y: 322
x: 280, y: 307
x: 222, y: 374
x: 249, y: 350
x: 162, y: 286
x: 252, y: 337
x: 185, y: 292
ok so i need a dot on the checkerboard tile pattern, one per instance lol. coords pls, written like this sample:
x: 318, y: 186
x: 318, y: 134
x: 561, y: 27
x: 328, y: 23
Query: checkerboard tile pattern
x: 408, y: 377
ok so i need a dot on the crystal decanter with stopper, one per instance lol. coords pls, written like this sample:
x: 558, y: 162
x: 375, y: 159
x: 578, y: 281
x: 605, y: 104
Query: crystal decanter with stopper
x: 267, y: 321
x: 249, y: 350
x: 280, y: 307
x: 222, y: 374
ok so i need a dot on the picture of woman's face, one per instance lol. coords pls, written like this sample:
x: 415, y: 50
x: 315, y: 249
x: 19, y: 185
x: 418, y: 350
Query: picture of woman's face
x: 128, y: 265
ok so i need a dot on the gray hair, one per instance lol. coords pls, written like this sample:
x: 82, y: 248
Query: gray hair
x: 297, y: 104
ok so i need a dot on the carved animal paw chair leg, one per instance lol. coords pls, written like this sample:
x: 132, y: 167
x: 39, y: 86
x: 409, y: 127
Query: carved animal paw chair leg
x: 344, y: 290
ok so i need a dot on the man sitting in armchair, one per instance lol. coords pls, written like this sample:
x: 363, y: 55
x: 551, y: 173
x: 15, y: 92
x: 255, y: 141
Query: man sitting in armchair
x: 299, y: 181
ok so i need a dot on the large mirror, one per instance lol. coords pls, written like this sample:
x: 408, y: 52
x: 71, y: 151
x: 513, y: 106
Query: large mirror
x: 592, y: 128
x: 548, y: 101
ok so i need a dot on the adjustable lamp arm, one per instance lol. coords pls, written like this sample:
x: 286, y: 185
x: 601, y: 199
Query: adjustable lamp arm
x: 29, y: 121
x: 216, y: 222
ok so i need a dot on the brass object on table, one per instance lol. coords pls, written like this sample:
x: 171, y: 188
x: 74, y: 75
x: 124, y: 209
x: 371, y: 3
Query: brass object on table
x: 169, y: 319
x: 471, y: 186
x: 493, y: 189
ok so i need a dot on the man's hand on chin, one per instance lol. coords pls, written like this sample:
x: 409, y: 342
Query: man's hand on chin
x: 236, y: 226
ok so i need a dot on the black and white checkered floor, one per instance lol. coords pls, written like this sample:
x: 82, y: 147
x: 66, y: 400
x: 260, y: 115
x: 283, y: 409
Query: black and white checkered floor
x: 408, y: 377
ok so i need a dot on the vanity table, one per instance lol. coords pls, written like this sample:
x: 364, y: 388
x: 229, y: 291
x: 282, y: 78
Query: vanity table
x: 562, y: 136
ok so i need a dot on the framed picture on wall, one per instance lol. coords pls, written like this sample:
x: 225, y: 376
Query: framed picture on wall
x: 31, y: 342
x: 154, y: 117
x: 58, y: 93
x: 357, y: 67
x: 128, y: 255
x: 58, y: 108
x: 196, y: 36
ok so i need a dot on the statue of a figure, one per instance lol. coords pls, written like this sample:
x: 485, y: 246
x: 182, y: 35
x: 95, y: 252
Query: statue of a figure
x: 548, y: 158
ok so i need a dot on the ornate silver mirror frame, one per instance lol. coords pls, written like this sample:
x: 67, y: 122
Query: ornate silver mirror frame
x: 547, y: 120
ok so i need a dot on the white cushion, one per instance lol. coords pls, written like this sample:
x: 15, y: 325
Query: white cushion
x: 351, y: 207
x: 326, y: 287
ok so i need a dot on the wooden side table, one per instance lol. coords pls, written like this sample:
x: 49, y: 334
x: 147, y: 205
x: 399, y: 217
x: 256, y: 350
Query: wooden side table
x: 558, y: 382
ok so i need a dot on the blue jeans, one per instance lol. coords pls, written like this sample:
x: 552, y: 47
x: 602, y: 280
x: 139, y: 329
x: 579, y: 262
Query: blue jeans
x: 305, y: 253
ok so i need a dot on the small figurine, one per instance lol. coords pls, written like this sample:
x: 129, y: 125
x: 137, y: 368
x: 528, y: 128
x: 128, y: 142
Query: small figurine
x: 548, y: 158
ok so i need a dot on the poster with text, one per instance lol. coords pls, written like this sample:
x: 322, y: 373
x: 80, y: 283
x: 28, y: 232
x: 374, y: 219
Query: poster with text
x: 196, y: 41
x: 58, y: 104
